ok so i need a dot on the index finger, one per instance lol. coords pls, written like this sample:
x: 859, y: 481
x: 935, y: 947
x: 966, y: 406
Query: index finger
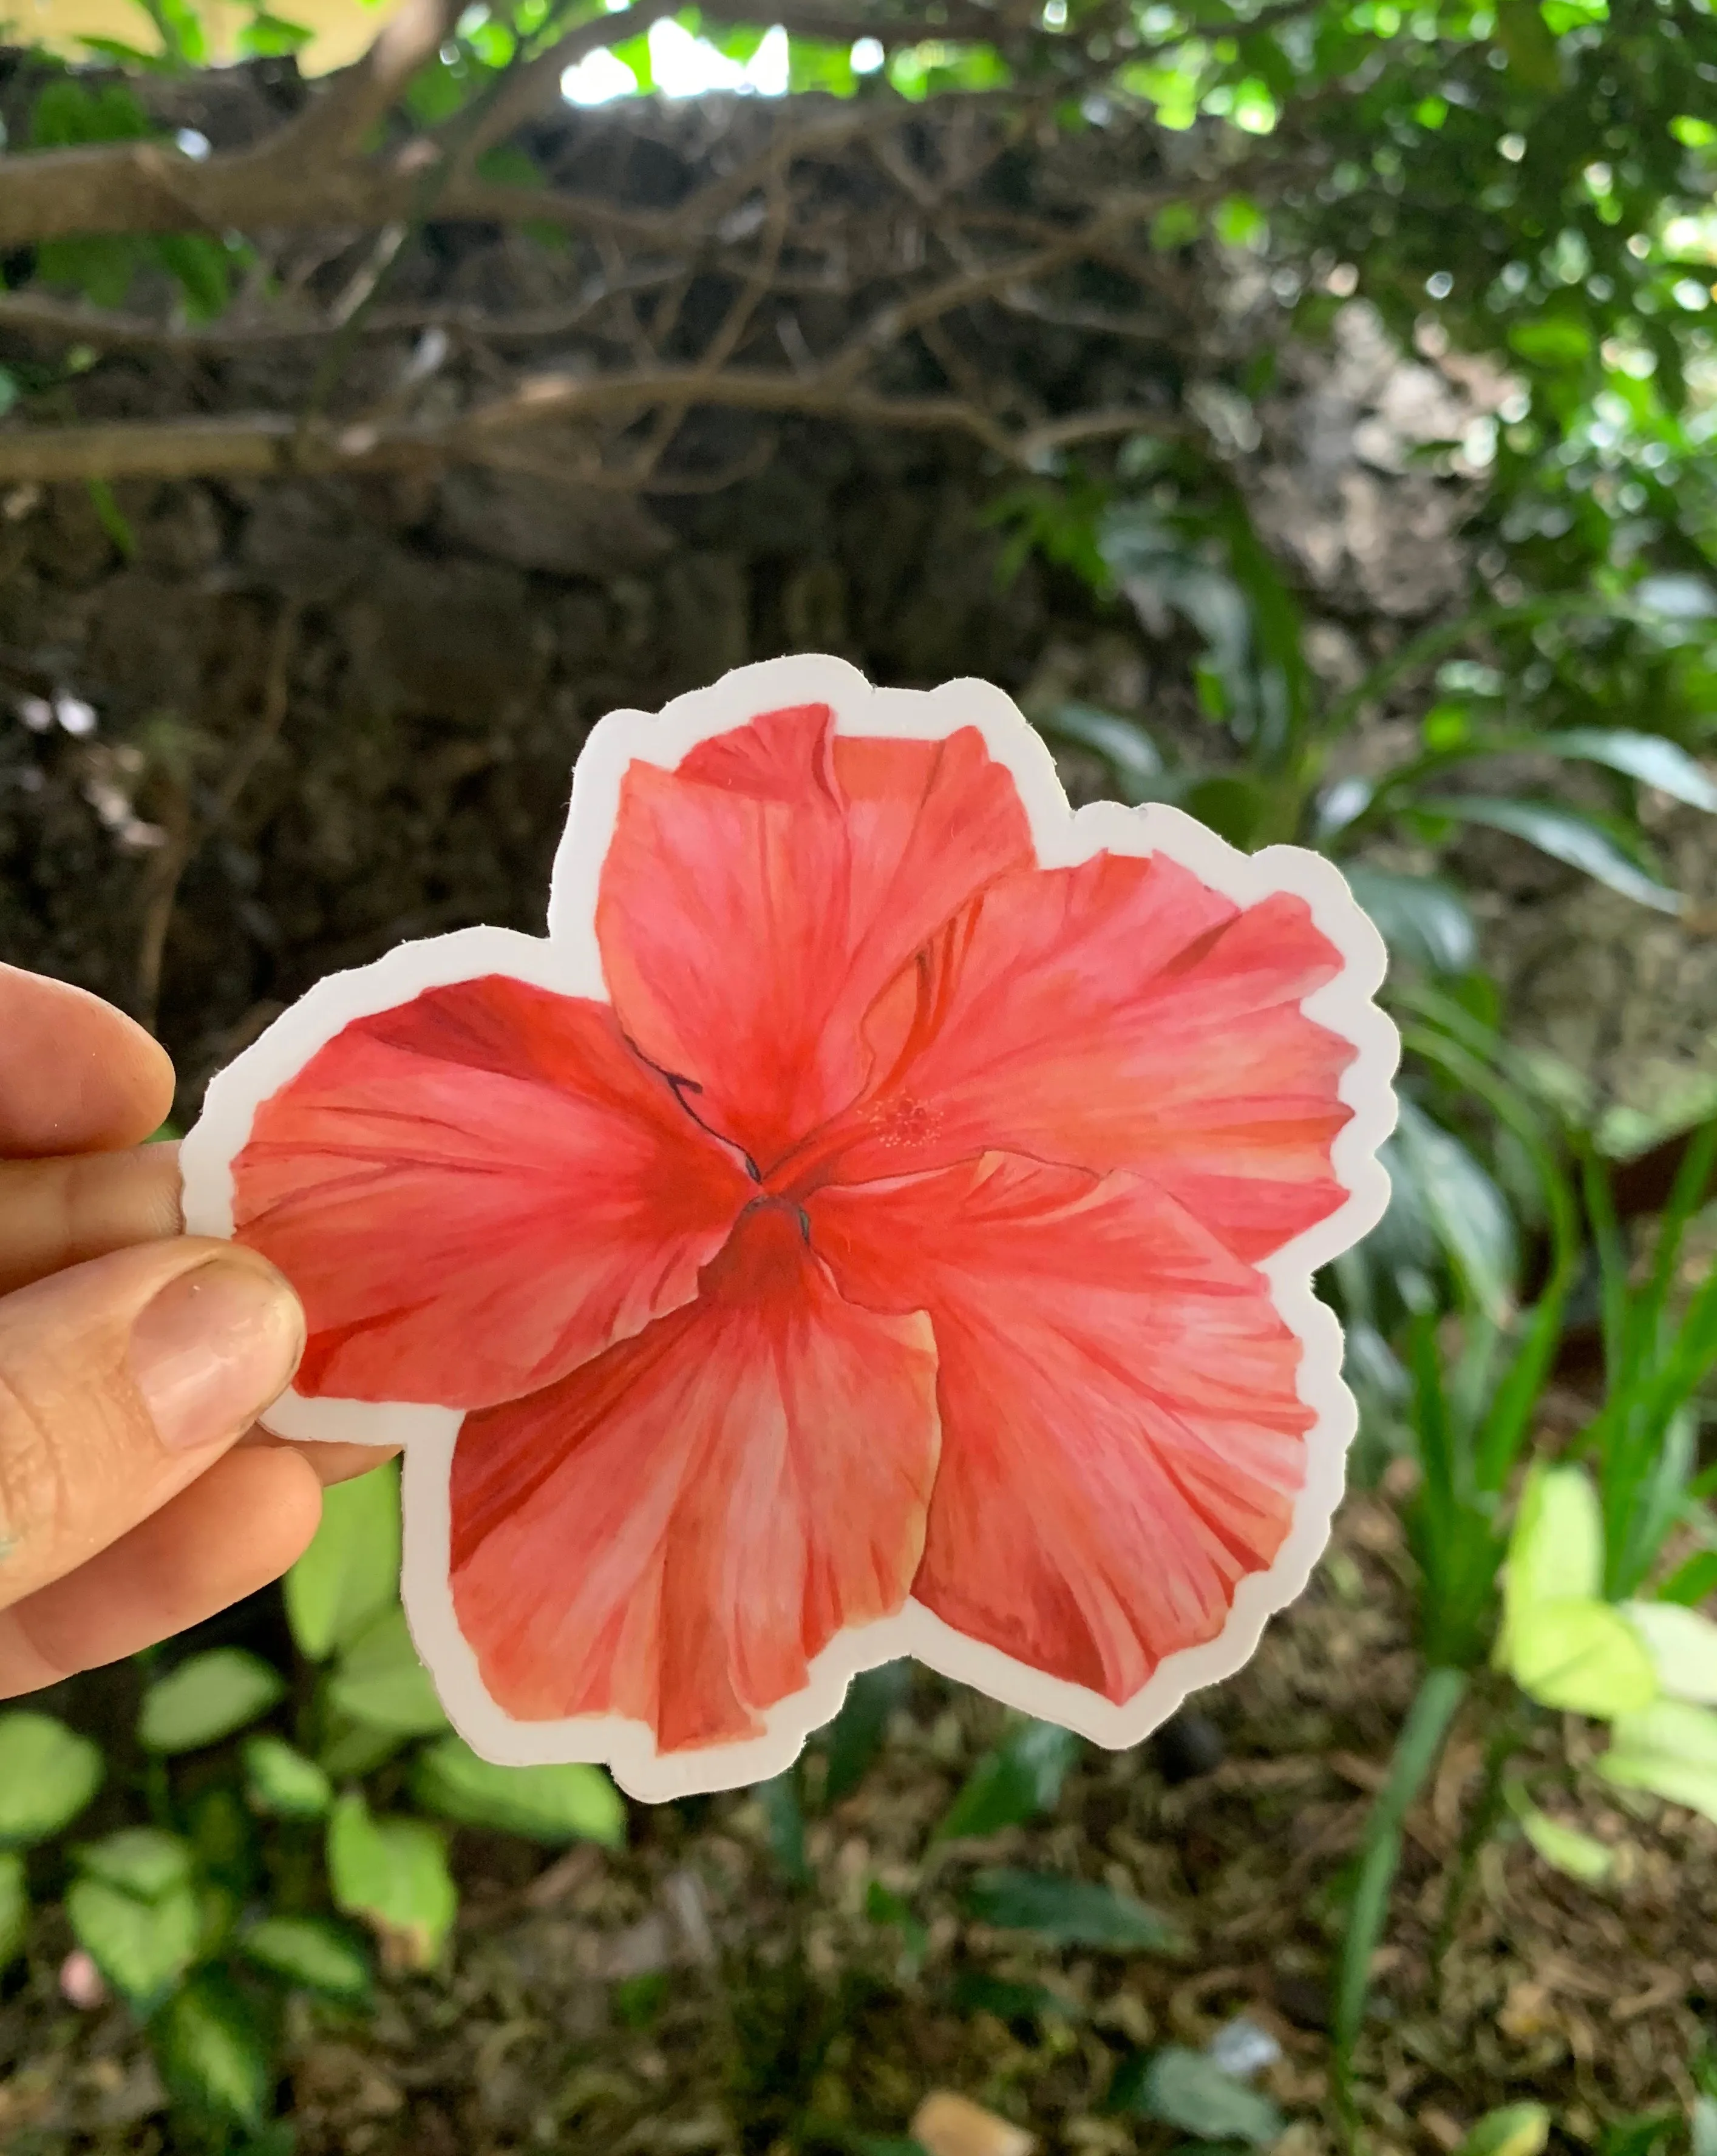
x: 75, y: 1074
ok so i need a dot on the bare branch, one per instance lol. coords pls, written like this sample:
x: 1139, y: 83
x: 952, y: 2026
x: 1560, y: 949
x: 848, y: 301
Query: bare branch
x: 335, y: 123
x: 534, y: 86
x: 310, y: 174
x: 259, y: 444
x: 70, y: 322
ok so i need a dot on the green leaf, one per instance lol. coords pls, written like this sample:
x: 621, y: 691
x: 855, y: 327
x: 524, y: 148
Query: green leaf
x: 111, y: 517
x: 67, y: 113
x: 883, y: 1905
x: 1185, y: 2089
x: 350, y: 1573
x: 142, y: 1948
x: 1582, y: 1656
x: 1552, y: 341
x: 812, y: 65
x: 14, y: 1908
x: 208, y: 1698
x: 1019, y: 1778
x: 223, y: 1836
x: 1692, y: 1579
x: 1565, y: 835
x: 146, y: 1862
x: 1682, y: 1644
x: 1068, y: 1912
x: 1652, y: 758
x: 976, y: 1993
x: 634, y: 54
x: 381, y: 1681
x: 856, y: 1733
x: 350, y: 1750
x: 1556, y: 1551
x: 1525, y: 36
x: 1518, y: 2129
x: 202, y: 270
x: 1424, y: 921
x: 1467, y: 1211
x: 393, y: 1873
x: 1669, y: 1748
x: 312, y: 1953
x: 783, y: 1814
x: 210, y: 2052
x: 1125, y: 747
x: 281, y: 1780
x: 1231, y: 806
x: 638, y: 2000
x: 267, y: 37
x: 100, y: 269
x: 48, y: 1774
x: 546, y: 1803
x: 1580, y: 1855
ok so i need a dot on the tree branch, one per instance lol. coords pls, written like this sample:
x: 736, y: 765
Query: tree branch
x: 335, y: 123
x: 311, y: 175
x: 71, y: 322
x: 260, y: 444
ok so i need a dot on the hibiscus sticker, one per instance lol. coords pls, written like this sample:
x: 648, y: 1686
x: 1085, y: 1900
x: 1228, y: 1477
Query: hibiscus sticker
x: 878, y: 1218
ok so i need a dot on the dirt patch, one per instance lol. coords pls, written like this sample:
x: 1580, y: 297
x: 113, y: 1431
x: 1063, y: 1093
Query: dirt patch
x: 682, y: 1996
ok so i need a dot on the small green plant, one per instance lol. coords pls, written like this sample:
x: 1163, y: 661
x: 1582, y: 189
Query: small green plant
x: 1572, y: 1605
x: 284, y: 1830
x: 1272, y: 768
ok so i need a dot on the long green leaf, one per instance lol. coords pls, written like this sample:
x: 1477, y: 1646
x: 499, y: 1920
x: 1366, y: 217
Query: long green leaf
x: 1417, y: 1750
x: 1516, y: 1395
x: 1421, y: 918
x: 1469, y: 1213
x: 1565, y: 835
x: 1068, y: 1912
x: 1652, y: 758
x: 1615, y: 1301
x: 1692, y: 1179
x: 1019, y: 1778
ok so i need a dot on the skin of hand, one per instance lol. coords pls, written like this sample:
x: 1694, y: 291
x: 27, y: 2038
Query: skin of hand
x: 136, y: 1497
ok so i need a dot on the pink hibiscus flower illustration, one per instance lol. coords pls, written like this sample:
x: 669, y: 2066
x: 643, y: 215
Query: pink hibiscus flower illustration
x: 878, y: 1218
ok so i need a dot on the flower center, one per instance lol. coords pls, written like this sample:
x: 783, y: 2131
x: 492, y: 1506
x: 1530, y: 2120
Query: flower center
x: 904, y: 1121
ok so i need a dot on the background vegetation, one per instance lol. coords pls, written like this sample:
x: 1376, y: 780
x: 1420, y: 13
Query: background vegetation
x: 1014, y: 339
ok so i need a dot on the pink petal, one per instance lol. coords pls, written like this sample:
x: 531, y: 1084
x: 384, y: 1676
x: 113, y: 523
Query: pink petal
x: 476, y: 1191
x: 1122, y: 1439
x: 1117, y: 1015
x: 756, y: 900
x: 673, y: 1531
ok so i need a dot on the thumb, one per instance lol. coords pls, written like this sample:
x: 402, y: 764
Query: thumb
x: 121, y: 1381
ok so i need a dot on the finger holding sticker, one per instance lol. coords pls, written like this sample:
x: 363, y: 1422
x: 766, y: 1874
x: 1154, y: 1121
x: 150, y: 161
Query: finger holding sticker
x: 132, y: 1360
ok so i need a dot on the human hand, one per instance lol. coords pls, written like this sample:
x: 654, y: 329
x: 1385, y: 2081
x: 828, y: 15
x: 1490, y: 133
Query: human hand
x: 133, y: 1361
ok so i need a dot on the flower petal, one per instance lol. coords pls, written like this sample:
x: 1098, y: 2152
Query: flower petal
x: 1118, y: 1015
x: 673, y: 1532
x: 1121, y: 1437
x: 475, y: 1191
x: 755, y: 900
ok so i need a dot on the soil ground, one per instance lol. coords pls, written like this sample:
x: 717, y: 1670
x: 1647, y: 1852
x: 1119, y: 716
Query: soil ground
x: 680, y: 1996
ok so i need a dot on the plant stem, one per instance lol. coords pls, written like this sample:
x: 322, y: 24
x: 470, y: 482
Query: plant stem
x: 1416, y: 1752
x: 1507, y: 1736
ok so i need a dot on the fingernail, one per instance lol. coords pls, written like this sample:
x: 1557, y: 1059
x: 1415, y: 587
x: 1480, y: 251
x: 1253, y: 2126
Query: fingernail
x: 213, y: 1349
